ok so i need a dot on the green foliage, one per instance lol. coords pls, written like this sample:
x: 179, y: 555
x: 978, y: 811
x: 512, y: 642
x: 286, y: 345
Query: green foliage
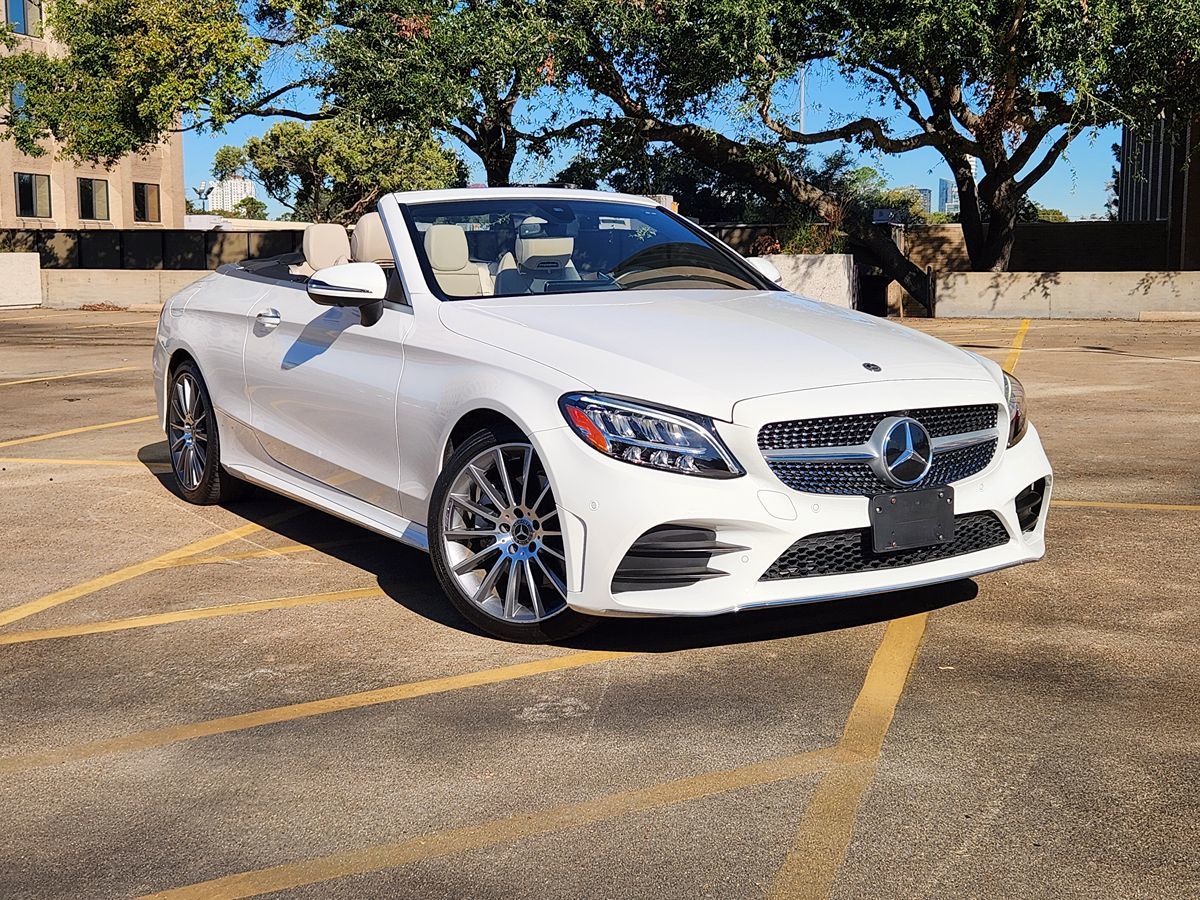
x: 132, y: 69
x: 458, y: 69
x: 334, y: 171
x: 1010, y: 84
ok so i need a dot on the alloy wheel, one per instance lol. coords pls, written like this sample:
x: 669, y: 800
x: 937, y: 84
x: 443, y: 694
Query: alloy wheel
x: 187, y: 431
x: 501, y: 536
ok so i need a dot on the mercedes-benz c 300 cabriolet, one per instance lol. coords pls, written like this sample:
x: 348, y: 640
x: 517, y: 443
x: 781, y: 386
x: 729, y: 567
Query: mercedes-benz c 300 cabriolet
x: 581, y: 405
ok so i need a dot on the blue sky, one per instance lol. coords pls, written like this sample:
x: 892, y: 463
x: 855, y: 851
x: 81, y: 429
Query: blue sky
x: 1077, y: 184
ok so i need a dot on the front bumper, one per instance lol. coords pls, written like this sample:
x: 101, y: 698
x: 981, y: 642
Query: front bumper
x: 606, y: 505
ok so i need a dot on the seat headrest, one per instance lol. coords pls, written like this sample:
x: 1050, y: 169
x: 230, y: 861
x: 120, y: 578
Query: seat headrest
x: 369, y: 242
x: 539, y: 251
x: 325, y: 245
x: 446, y: 247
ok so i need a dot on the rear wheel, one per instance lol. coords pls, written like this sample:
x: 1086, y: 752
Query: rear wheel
x: 194, y: 443
x: 496, y: 541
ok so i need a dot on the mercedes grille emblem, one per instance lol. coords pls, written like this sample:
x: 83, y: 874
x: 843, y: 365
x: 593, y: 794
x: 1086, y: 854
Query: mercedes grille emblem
x: 905, y: 451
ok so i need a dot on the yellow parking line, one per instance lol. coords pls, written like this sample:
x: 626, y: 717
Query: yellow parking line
x: 68, y: 375
x: 1114, y: 504
x: 57, y: 434
x: 8, y: 616
x: 118, y: 463
x: 144, y: 740
x: 828, y: 825
x: 267, y: 553
x: 46, y: 314
x: 499, y: 831
x: 116, y: 324
x: 186, y: 615
x: 1014, y: 354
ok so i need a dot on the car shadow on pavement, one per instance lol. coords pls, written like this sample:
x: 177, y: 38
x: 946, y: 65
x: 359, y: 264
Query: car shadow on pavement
x: 405, y: 575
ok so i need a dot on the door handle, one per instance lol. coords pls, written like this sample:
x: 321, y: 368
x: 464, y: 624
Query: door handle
x: 268, y: 318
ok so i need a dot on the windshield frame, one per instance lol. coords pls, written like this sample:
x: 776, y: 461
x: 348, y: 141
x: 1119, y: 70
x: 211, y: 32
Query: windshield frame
x: 750, y: 273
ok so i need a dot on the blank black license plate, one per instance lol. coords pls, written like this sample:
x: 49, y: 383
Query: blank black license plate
x: 912, y: 519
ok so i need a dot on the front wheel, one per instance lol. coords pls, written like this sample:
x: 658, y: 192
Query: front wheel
x: 496, y: 541
x: 194, y: 443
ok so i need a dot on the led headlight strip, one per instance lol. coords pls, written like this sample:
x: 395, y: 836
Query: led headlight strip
x: 1014, y: 397
x: 644, y: 435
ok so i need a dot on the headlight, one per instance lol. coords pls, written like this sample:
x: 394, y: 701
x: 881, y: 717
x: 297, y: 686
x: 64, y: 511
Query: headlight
x: 646, y: 436
x: 1014, y: 396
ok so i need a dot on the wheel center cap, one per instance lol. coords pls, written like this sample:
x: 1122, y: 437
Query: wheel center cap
x: 522, y: 531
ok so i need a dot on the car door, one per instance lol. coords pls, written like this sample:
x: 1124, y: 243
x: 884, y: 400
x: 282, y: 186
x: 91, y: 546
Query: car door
x: 322, y: 391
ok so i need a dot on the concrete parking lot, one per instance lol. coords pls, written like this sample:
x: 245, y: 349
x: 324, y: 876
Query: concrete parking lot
x: 261, y: 699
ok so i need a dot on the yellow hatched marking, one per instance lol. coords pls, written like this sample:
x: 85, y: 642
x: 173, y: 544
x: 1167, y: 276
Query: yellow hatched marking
x: 8, y: 616
x: 499, y: 831
x: 159, y: 737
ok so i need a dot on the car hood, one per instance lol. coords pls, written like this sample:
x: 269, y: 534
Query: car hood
x: 704, y: 351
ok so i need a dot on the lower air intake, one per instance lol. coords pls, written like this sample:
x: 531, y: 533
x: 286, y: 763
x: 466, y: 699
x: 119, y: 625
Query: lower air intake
x: 845, y: 552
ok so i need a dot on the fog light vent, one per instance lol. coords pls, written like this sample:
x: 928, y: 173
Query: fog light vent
x: 1029, y: 504
x: 670, y: 556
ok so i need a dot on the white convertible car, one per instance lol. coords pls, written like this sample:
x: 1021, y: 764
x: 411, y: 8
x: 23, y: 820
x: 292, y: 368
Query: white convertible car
x: 582, y: 405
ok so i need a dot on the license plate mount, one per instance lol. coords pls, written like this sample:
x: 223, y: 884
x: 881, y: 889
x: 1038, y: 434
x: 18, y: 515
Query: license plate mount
x: 909, y: 520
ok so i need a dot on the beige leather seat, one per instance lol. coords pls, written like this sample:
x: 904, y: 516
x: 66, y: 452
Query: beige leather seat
x: 538, y: 258
x: 369, y: 242
x: 446, y: 249
x: 325, y: 245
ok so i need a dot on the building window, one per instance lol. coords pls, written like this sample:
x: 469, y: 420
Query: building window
x: 93, y: 199
x: 25, y: 16
x: 145, y: 203
x: 33, y: 196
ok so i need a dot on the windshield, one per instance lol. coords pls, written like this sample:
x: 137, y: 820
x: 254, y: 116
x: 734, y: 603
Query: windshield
x: 511, y: 247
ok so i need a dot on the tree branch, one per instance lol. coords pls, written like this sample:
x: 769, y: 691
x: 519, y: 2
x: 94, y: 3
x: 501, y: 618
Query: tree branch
x: 261, y: 107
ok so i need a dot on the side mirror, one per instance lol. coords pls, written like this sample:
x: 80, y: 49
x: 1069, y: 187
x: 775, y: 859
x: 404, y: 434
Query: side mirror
x: 360, y: 284
x: 766, y: 268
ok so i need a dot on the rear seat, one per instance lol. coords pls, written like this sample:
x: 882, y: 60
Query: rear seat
x: 325, y: 245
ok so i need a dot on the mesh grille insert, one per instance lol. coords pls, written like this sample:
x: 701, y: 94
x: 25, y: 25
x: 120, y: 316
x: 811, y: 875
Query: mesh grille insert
x: 845, y: 552
x: 948, y: 466
x: 845, y: 431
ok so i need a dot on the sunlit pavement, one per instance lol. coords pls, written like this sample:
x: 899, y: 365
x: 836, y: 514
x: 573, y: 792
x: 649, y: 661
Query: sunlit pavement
x: 231, y: 702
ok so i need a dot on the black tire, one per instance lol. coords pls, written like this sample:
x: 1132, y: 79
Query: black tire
x: 538, y: 573
x: 193, y: 442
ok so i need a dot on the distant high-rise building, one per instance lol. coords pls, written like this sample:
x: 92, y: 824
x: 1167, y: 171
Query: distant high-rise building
x: 948, y: 197
x: 228, y: 193
x: 1158, y: 182
x: 925, y: 194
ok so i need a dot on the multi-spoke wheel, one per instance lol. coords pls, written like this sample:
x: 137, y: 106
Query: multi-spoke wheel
x: 496, y: 540
x: 193, y: 441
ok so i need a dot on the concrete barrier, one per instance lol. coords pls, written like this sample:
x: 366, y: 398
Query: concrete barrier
x: 146, y: 289
x: 1066, y: 295
x: 829, y: 277
x: 20, y: 284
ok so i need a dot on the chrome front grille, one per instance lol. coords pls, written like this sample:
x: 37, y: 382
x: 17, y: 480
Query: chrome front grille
x: 829, y: 455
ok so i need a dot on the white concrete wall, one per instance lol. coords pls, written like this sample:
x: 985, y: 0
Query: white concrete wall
x: 829, y: 277
x: 133, y: 288
x: 1067, y: 295
x: 20, y: 283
